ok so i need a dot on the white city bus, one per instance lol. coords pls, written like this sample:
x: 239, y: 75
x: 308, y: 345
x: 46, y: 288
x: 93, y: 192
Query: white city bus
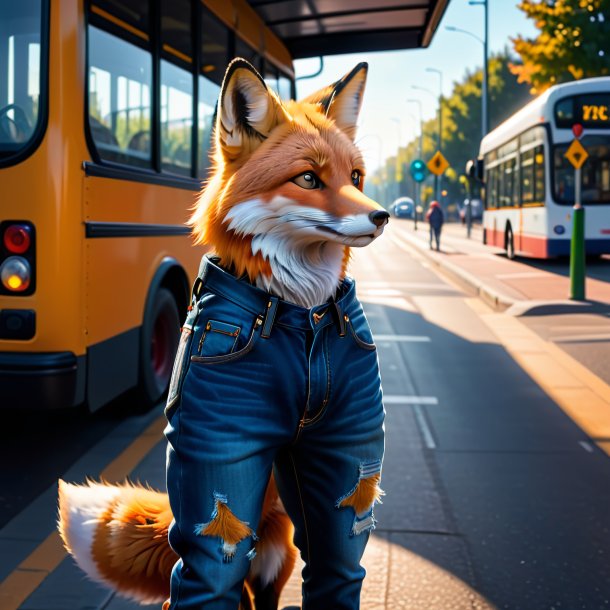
x: 529, y: 183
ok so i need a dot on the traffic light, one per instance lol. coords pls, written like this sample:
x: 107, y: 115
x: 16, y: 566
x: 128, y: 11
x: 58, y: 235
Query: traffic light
x: 418, y: 170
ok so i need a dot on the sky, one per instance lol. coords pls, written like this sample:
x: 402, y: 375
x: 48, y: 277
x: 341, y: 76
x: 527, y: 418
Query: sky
x: 387, y: 119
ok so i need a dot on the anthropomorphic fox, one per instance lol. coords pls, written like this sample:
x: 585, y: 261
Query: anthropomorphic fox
x: 282, y: 209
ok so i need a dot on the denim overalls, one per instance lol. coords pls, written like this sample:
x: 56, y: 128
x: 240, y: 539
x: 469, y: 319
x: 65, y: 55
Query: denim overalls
x: 261, y: 384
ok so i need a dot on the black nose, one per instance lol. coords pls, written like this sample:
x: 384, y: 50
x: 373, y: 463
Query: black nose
x: 379, y: 217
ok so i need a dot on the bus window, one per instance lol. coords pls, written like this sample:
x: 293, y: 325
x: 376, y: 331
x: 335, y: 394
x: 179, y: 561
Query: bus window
x: 135, y: 13
x: 527, y: 176
x: 595, y: 172
x: 243, y: 49
x: 272, y: 77
x: 120, y: 79
x: 20, y: 34
x: 214, y: 56
x: 539, y: 189
x: 176, y: 87
x: 284, y: 87
x: 176, y: 118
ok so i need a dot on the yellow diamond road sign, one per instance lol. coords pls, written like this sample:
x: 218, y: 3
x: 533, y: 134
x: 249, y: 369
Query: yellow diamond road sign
x: 438, y: 164
x: 576, y: 154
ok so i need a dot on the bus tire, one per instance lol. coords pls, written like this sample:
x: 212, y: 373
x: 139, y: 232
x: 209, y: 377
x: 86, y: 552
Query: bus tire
x: 509, y: 242
x: 158, y: 345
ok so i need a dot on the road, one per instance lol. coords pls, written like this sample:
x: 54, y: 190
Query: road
x: 494, y: 496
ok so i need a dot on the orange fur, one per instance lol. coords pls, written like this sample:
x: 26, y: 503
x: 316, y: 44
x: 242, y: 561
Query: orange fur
x: 367, y: 492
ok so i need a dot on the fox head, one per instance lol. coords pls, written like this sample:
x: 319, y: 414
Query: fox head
x: 284, y: 203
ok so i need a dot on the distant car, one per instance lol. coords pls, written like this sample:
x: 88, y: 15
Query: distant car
x: 476, y: 212
x: 403, y: 207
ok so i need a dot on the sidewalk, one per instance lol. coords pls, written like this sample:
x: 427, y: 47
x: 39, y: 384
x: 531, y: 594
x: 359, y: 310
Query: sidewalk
x: 517, y: 287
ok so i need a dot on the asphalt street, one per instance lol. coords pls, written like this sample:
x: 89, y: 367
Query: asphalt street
x: 494, y: 496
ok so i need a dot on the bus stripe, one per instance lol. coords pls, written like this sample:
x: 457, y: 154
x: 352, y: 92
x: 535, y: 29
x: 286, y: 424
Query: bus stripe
x: 130, y: 229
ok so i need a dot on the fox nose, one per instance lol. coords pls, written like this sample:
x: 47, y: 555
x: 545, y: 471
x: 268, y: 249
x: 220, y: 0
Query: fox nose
x: 379, y: 217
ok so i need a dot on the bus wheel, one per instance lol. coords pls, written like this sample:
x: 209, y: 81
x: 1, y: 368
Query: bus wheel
x: 510, y: 244
x: 158, y: 345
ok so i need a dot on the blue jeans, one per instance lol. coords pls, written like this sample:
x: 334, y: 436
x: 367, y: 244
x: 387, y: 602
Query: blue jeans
x: 260, y: 384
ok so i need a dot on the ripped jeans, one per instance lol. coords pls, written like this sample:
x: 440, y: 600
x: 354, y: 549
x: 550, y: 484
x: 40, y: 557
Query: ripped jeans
x: 261, y: 384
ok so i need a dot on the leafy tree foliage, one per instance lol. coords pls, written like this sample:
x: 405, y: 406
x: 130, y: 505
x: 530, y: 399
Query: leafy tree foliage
x: 573, y: 43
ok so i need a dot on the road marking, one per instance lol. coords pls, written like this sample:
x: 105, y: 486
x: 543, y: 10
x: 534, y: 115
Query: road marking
x: 426, y: 433
x: 580, y: 338
x: 586, y: 446
x: 403, y: 338
x: 45, y: 558
x: 403, y: 399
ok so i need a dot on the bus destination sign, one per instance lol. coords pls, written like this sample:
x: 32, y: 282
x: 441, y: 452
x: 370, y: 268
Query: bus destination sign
x: 592, y: 111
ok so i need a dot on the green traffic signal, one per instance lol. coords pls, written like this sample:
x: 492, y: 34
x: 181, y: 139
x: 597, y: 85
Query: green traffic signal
x: 418, y: 170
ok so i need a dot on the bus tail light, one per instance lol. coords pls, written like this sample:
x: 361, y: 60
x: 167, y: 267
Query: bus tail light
x: 15, y: 274
x: 17, y: 258
x: 17, y: 238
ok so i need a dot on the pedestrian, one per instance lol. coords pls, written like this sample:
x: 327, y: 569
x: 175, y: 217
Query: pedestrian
x: 435, y: 218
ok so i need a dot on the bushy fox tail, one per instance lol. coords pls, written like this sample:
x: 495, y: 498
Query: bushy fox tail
x: 118, y: 536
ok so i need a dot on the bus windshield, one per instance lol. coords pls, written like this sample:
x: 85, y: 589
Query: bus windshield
x: 595, y: 172
x: 20, y: 76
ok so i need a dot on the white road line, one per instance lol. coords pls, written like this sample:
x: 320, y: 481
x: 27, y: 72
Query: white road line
x: 580, y: 338
x: 420, y: 418
x: 586, y: 446
x: 403, y: 399
x: 403, y: 338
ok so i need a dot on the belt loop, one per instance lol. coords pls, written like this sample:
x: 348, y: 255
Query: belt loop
x: 340, y: 318
x: 269, y: 317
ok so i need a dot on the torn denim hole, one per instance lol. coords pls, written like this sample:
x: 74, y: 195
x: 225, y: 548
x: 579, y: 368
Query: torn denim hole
x: 226, y: 526
x: 364, y: 524
x: 363, y: 496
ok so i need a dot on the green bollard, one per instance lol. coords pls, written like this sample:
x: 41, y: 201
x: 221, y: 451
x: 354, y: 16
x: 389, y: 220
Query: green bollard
x: 577, y: 254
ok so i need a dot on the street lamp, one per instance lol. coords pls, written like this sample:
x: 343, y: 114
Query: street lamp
x: 438, y: 179
x: 485, y: 90
x: 485, y: 5
x: 421, y: 124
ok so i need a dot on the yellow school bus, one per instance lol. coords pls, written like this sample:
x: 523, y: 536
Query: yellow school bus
x: 106, y: 108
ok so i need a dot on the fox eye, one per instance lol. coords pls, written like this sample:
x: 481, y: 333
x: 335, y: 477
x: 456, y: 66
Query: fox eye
x: 356, y: 178
x: 308, y: 180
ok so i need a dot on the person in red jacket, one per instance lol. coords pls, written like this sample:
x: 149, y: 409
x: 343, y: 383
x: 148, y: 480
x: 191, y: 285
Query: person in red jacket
x: 435, y: 219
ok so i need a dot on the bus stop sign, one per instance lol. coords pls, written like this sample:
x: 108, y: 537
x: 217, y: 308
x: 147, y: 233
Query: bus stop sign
x: 418, y: 170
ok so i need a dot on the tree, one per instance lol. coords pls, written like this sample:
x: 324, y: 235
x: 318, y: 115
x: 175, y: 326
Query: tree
x: 573, y: 43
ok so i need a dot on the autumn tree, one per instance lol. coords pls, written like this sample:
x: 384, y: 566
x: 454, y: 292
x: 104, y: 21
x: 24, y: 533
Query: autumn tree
x: 573, y: 43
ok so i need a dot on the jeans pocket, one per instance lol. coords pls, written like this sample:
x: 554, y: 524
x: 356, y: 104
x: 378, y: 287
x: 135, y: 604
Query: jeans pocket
x: 218, y: 338
x: 232, y: 356
x: 180, y: 363
x: 360, y: 336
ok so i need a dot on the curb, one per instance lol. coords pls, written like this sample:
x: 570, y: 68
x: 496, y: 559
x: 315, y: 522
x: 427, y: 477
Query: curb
x: 501, y: 302
x: 498, y: 301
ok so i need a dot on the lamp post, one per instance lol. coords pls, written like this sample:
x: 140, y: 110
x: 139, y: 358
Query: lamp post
x: 484, y: 88
x: 398, y: 176
x: 485, y: 5
x: 381, y: 190
x: 419, y: 154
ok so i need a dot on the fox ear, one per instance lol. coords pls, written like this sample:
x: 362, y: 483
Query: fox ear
x: 247, y: 111
x: 342, y: 100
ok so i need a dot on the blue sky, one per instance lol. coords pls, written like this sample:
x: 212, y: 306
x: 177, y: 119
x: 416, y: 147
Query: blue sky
x: 392, y: 74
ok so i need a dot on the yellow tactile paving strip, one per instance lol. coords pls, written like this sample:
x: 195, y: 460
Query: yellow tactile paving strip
x: 582, y: 395
x: 28, y: 575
